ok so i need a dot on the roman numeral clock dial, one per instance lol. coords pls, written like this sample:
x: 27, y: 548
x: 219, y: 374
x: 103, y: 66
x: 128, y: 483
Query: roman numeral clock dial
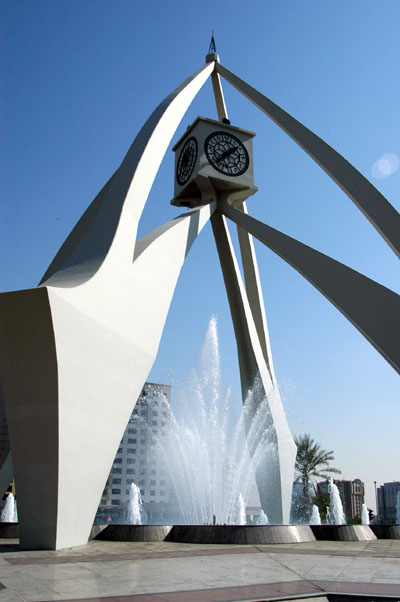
x: 226, y: 154
x: 186, y: 161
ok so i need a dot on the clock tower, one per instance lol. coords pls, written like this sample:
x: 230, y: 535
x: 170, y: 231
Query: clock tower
x: 212, y: 152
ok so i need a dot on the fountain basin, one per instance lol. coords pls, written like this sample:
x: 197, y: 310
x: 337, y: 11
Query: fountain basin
x: 386, y: 531
x: 240, y: 534
x: 343, y: 532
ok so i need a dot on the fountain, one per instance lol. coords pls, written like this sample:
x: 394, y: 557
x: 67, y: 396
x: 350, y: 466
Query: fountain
x: 263, y: 518
x: 336, y: 514
x: 205, y: 454
x: 9, y: 514
x: 336, y: 527
x: 315, y: 517
x: 135, y: 506
x: 241, y: 515
x: 211, y: 472
x: 364, y: 515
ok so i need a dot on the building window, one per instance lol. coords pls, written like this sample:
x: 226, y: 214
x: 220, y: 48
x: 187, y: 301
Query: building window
x: 118, y: 461
x: 131, y: 431
x: 131, y: 450
x: 131, y: 440
x: 117, y: 470
x: 152, y: 492
x: 115, y: 491
x: 115, y: 502
x: 116, y: 481
x: 152, y: 482
x: 130, y: 471
x: 131, y: 461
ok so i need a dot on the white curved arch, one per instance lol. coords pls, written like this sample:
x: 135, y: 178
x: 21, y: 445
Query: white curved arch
x: 109, y: 225
x: 376, y: 208
x: 372, y: 308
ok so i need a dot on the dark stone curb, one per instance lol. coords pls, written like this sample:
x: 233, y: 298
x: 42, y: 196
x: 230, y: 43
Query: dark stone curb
x: 133, y: 532
x: 343, y: 532
x: 386, y: 531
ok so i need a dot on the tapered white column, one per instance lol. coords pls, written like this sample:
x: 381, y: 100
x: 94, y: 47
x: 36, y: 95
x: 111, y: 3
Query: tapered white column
x: 257, y: 384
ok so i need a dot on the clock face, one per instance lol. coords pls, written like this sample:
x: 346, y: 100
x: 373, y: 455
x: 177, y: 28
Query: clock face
x: 226, y: 153
x: 186, y: 161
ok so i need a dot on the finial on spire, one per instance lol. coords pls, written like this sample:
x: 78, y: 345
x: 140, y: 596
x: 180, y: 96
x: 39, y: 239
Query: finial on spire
x: 212, y: 51
x: 212, y: 47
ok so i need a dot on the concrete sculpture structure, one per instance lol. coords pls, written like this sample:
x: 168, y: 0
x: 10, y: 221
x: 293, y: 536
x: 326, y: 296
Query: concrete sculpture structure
x: 90, y: 331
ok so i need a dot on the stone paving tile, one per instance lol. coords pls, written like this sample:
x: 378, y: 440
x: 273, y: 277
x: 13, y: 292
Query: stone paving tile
x: 7, y: 596
x: 341, y: 587
x: 111, y: 570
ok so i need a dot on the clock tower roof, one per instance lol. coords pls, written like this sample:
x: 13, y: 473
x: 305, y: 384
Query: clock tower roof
x: 220, y: 124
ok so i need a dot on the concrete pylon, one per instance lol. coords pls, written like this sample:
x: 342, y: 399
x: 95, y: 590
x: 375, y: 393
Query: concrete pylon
x: 257, y: 376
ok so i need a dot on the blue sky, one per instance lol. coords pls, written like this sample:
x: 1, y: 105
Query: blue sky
x: 79, y: 78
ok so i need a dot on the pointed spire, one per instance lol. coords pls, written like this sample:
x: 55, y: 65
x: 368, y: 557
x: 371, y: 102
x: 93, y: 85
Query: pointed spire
x: 212, y: 47
x: 212, y: 51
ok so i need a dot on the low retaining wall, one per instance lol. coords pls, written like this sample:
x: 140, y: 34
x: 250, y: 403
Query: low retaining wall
x: 386, y: 531
x: 231, y: 534
x: 133, y: 533
x: 343, y: 532
x: 240, y: 534
x: 8, y: 530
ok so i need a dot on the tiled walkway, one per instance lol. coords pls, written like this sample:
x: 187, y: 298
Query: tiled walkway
x: 171, y: 572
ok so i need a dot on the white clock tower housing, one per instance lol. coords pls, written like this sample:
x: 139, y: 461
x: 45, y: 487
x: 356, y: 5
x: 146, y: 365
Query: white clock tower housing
x: 212, y: 151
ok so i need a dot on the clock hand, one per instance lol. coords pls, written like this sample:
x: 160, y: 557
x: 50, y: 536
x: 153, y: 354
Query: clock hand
x: 226, y: 153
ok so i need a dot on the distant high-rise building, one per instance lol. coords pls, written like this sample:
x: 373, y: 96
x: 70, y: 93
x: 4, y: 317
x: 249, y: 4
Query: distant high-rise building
x: 387, y: 502
x: 136, y: 461
x: 351, y: 493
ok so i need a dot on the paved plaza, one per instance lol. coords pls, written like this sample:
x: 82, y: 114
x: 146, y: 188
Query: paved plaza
x: 172, y: 572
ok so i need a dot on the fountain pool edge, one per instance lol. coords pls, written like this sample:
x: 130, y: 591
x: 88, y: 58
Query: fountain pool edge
x: 343, y: 532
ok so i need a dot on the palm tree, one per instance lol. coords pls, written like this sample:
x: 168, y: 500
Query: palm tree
x: 312, y: 462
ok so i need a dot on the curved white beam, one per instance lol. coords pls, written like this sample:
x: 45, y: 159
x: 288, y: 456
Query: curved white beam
x: 376, y: 208
x: 110, y: 222
x: 372, y: 308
